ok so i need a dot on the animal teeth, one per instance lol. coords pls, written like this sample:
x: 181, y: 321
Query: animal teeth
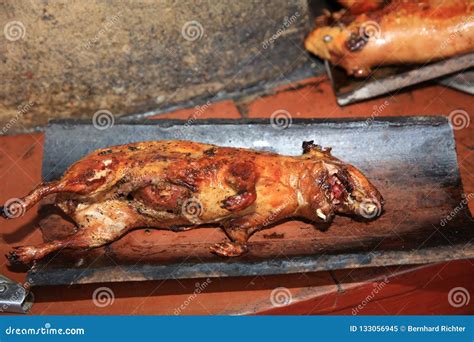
x: 320, y: 214
x: 370, y: 208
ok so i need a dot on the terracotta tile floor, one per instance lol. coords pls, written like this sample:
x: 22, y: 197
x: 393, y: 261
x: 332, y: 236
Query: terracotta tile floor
x: 409, y: 290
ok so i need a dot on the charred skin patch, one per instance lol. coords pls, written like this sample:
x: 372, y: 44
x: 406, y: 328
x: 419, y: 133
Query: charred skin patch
x: 242, y: 178
x: 104, y: 153
x: 164, y: 197
x: 355, y: 42
x: 239, y: 202
x: 210, y: 152
x: 86, y: 177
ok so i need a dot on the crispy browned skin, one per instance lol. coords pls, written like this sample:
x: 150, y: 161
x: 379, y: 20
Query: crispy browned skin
x: 361, y: 6
x: 402, y: 32
x: 181, y: 184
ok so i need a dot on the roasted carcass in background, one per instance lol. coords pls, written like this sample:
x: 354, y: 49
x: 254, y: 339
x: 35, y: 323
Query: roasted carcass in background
x: 180, y: 185
x: 361, y: 6
x: 401, y: 32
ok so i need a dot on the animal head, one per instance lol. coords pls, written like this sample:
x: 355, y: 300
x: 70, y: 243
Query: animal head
x: 342, y: 187
x: 327, y: 42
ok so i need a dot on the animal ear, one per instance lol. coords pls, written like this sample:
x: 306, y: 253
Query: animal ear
x: 309, y: 147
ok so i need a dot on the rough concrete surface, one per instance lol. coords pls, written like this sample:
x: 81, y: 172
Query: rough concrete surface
x: 72, y: 58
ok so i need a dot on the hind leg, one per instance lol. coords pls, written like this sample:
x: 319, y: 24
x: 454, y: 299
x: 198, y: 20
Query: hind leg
x: 99, y: 224
x: 84, y: 239
x: 21, y: 205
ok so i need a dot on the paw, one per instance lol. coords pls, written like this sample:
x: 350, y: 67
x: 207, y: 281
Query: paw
x: 21, y: 255
x: 229, y: 249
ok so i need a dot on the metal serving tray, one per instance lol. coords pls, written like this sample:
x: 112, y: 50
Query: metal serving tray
x: 390, y: 79
x: 411, y: 160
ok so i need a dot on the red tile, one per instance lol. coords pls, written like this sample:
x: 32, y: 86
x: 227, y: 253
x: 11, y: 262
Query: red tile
x: 316, y: 99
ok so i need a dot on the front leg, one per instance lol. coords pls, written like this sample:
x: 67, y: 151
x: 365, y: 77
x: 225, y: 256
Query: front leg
x: 267, y: 212
x: 239, y: 231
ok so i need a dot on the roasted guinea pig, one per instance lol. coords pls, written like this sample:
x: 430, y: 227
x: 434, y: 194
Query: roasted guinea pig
x: 401, y: 32
x: 179, y: 185
x: 361, y: 6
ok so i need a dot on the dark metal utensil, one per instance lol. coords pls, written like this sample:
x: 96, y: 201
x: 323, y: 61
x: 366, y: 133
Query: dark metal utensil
x: 388, y: 79
x: 463, y: 81
x: 14, y: 297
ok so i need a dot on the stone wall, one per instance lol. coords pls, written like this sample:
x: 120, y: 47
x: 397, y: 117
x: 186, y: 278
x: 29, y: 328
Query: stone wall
x: 71, y: 58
